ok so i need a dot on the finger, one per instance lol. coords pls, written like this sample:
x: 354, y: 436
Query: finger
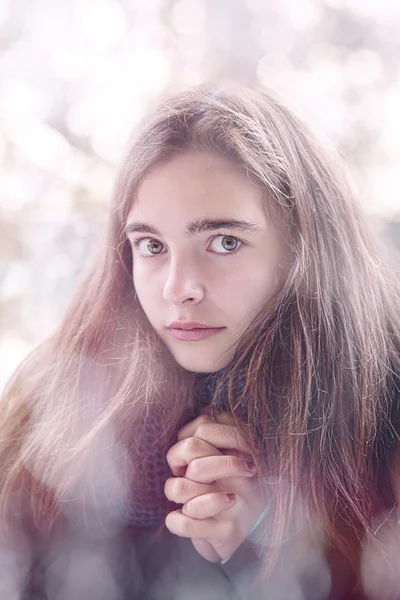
x: 184, y: 526
x: 187, y: 450
x: 212, y: 468
x: 205, y: 417
x: 188, y: 429
x: 181, y: 490
x: 208, y: 505
x: 225, y: 419
x: 219, y: 435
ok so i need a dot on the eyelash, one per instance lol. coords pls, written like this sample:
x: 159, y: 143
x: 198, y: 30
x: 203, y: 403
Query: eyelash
x: 136, y: 243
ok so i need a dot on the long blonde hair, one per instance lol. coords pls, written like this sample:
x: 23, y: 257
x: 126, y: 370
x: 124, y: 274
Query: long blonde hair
x: 319, y: 360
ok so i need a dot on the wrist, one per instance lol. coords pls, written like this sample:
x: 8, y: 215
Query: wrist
x: 250, y: 538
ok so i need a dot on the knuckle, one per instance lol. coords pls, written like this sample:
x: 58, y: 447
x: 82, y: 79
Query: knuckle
x: 191, y: 445
x: 230, y: 462
x: 180, y: 486
x: 176, y: 488
x: 170, y: 456
x: 170, y: 488
x: 167, y: 488
x: 203, y: 419
x: 189, y: 508
x: 210, y: 502
x: 176, y: 524
x: 202, y: 430
x: 195, y: 469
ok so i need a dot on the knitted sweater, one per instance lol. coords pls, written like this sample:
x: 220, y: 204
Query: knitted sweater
x: 149, y: 508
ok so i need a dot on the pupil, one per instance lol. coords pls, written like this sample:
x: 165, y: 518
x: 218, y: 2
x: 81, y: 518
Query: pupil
x: 154, y: 247
x: 229, y: 243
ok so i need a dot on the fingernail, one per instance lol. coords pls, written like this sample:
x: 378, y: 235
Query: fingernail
x: 230, y: 497
x: 249, y: 465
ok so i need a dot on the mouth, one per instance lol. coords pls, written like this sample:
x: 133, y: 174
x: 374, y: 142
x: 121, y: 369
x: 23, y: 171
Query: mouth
x: 193, y: 332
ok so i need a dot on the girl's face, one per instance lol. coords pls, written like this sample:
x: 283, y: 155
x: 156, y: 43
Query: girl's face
x: 206, y: 258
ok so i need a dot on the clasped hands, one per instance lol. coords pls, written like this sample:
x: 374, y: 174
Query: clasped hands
x: 217, y: 484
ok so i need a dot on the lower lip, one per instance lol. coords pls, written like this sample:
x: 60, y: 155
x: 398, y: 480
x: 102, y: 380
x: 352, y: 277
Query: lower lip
x: 194, y: 335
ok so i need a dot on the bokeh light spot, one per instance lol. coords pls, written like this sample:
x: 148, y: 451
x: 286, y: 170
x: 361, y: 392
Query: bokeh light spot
x: 188, y: 17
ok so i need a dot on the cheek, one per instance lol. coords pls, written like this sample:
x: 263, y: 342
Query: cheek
x: 244, y: 293
x: 146, y: 289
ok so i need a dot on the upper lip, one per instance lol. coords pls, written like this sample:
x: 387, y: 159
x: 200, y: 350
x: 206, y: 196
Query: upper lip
x: 190, y: 325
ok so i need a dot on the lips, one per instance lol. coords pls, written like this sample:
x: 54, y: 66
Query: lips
x: 190, y: 325
x: 192, y: 331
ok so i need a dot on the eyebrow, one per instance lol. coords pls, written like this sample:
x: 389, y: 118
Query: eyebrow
x: 198, y: 226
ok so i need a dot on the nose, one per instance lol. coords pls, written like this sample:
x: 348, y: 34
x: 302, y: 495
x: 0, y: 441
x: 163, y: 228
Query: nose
x: 183, y: 284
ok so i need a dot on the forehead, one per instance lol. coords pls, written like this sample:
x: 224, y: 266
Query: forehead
x: 195, y: 184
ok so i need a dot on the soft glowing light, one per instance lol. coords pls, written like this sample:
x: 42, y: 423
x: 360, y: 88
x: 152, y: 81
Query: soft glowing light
x: 92, y: 67
x: 85, y: 573
x: 55, y: 207
x: 389, y: 140
x: 277, y: 40
x: 2, y: 149
x: 43, y: 146
x: 371, y: 8
x: 106, y: 115
x: 109, y: 141
x: 305, y: 91
x: 101, y: 21
x: 151, y: 68
x: 303, y: 14
x: 259, y: 7
x: 70, y: 64
x: 274, y: 71
x: 369, y: 111
x: 327, y: 71
x: 381, y: 189
x: 336, y: 4
x: 16, y: 189
x: 379, y: 564
x: 188, y: 17
x: 81, y: 117
x: 48, y: 28
x: 73, y: 169
x: 22, y: 104
x: 363, y: 67
x: 4, y: 11
x: 148, y: 6
x: 390, y: 132
x: 47, y: 218
x: 99, y: 182
x: 15, y: 280
x: 391, y: 103
x: 13, y: 350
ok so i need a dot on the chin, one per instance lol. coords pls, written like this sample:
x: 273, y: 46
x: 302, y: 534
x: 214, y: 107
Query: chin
x: 201, y: 364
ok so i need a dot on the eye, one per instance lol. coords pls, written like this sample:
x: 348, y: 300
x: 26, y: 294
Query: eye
x: 148, y: 246
x: 225, y: 244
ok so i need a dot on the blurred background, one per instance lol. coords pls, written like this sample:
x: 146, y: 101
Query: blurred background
x: 77, y: 75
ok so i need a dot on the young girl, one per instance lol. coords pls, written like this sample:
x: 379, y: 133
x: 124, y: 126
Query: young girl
x: 217, y: 415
